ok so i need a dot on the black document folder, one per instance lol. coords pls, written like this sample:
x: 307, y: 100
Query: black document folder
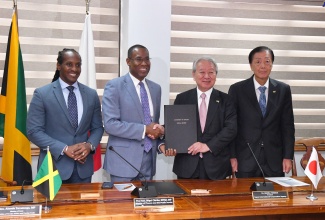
x: 167, y: 188
x: 180, y: 127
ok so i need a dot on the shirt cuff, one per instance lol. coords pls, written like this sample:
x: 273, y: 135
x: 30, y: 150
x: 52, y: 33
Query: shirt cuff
x: 144, y: 132
x: 64, y: 149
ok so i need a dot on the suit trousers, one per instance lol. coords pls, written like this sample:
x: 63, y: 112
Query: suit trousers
x: 199, y: 173
x: 257, y: 172
x: 75, y: 178
x: 145, y: 169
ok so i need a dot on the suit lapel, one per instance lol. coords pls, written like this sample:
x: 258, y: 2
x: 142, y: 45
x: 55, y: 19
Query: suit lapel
x: 130, y: 88
x: 251, y: 94
x: 214, y: 103
x: 153, y: 94
x: 193, y: 100
x: 85, y: 103
x: 272, y: 97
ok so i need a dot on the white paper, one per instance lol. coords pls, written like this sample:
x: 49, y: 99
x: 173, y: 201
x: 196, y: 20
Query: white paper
x: 287, y: 181
x: 124, y: 187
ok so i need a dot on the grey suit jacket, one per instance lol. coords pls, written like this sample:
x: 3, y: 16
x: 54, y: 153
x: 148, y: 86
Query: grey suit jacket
x: 124, y: 123
x: 48, y: 124
x: 276, y: 130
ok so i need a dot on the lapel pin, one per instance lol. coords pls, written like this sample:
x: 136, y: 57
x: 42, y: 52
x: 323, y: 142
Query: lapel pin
x: 217, y: 101
x: 274, y: 91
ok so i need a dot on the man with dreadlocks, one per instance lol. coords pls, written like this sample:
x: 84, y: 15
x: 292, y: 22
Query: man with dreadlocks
x: 60, y: 116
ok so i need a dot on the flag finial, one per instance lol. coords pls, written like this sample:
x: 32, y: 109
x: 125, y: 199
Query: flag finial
x: 87, y: 6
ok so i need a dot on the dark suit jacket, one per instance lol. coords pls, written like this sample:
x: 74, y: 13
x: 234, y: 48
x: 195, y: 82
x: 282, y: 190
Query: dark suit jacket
x: 48, y: 124
x: 275, y: 130
x: 220, y: 130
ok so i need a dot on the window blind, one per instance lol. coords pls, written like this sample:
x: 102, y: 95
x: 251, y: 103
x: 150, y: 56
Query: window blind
x: 229, y: 30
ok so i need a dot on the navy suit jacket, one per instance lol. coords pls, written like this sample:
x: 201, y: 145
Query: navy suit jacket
x: 220, y: 130
x: 48, y: 124
x: 275, y: 130
x: 124, y: 123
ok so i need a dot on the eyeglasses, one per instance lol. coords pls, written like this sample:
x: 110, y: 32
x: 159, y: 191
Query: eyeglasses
x: 140, y: 59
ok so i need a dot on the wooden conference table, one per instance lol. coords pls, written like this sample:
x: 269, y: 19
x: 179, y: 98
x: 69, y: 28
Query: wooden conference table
x: 228, y: 199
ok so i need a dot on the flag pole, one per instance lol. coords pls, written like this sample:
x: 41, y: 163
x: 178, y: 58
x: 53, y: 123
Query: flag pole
x: 47, y: 208
x: 311, y: 197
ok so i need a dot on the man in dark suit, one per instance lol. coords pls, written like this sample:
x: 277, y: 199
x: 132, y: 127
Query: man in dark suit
x: 50, y: 124
x: 209, y: 157
x: 265, y: 120
x: 131, y: 109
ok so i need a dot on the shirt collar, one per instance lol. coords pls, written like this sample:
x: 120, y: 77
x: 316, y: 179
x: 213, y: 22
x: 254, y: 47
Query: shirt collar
x: 136, y: 81
x: 257, y: 85
x: 65, y: 85
x: 207, y: 93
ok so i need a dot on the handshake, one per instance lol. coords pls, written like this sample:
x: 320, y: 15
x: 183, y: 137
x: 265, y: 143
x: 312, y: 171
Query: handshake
x: 155, y: 131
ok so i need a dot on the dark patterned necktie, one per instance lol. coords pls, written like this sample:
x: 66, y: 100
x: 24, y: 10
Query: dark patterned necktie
x: 72, y: 107
x: 146, y: 114
x: 262, y: 101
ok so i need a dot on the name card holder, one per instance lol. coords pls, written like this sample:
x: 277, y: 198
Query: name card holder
x: 269, y: 195
x: 157, y: 204
x: 21, y: 210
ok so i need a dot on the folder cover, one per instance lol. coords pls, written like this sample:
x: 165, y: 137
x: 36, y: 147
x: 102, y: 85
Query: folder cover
x: 180, y: 127
x: 167, y: 188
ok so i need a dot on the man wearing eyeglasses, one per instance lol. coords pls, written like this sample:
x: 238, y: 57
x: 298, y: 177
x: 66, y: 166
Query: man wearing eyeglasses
x: 131, y: 111
x: 265, y: 121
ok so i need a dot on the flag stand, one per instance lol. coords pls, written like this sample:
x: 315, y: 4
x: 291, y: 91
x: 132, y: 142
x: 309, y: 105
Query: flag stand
x: 46, y: 208
x: 311, y: 197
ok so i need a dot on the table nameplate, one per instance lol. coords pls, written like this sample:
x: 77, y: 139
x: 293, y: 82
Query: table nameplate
x: 157, y: 204
x: 267, y: 195
x: 24, y: 210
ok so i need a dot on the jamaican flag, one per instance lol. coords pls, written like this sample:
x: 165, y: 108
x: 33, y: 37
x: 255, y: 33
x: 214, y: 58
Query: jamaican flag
x: 48, y: 180
x: 16, y: 158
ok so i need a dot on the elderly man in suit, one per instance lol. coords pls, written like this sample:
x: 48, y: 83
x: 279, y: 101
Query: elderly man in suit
x: 53, y: 122
x: 265, y: 121
x: 131, y: 111
x: 209, y: 157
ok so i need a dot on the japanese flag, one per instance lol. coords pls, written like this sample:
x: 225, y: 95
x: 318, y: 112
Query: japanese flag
x: 88, y: 71
x: 313, y: 169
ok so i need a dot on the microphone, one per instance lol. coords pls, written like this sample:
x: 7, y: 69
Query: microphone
x: 260, y: 186
x: 22, y: 195
x: 142, y: 192
x: 22, y: 191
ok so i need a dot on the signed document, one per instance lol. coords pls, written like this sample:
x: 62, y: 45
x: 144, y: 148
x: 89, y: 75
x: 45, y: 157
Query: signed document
x: 180, y: 127
x: 287, y: 181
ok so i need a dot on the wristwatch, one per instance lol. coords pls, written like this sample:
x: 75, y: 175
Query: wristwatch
x: 92, y: 148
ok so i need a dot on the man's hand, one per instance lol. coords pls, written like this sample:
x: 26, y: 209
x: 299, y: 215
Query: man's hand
x: 234, y: 164
x: 287, y: 165
x: 198, y: 147
x: 78, y: 152
x: 168, y: 152
x: 154, y: 130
